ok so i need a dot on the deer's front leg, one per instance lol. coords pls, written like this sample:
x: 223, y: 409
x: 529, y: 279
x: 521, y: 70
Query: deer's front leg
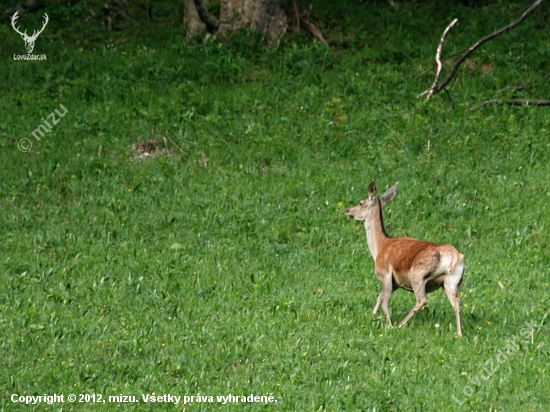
x: 384, y: 297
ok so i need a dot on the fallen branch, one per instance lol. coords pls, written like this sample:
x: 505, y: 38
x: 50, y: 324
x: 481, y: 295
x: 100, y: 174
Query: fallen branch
x: 430, y: 91
x: 310, y: 27
x: 438, y: 87
x: 517, y: 102
x: 313, y: 30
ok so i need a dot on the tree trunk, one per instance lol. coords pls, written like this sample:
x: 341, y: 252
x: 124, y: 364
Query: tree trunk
x: 191, y: 19
x: 266, y: 17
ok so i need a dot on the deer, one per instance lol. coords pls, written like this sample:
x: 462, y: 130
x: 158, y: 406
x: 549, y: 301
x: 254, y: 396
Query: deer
x: 403, y: 262
x: 29, y: 40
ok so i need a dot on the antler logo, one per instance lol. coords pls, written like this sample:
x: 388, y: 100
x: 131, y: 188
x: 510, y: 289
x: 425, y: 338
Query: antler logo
x: 29, y: 40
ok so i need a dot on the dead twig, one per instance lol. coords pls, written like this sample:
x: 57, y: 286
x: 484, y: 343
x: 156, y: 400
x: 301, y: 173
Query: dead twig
x: 517, y: 102
x: 438, y: 87
x: 513, y: 97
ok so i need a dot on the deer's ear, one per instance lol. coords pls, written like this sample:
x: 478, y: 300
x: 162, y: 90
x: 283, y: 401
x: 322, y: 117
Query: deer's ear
x: 372, y: 190
x: 389, y: 195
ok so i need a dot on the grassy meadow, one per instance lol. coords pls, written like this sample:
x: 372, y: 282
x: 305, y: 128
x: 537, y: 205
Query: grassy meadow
x: 223, y: 262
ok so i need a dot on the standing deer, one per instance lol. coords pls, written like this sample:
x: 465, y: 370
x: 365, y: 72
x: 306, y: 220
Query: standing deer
x: 29, y: 40
x: 403, y: 262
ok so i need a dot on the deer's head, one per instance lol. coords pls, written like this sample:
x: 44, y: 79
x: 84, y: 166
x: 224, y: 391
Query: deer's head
x: 370, y: 207
x: 29, y: 40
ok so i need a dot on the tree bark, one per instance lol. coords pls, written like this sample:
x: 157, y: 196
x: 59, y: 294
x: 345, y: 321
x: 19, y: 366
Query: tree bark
x: 191, y: 19
x: 266, y: 17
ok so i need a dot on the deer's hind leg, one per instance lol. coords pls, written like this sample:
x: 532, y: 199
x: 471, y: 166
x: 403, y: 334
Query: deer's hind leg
x: 452, y: 288
x: 419, y: 288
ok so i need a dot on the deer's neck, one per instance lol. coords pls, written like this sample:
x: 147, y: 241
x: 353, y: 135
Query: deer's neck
x: 376, y: 233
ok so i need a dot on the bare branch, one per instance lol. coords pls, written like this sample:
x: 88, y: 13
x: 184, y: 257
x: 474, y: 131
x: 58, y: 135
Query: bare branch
x: 471, y: 49
x: 517, y: 102
x: 423, y: 93
x: 438, y: 59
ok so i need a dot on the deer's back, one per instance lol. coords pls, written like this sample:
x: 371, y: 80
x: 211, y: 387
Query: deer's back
x: 403, y: 254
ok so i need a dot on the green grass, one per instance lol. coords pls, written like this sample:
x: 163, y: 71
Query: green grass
x: 228, y: 267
